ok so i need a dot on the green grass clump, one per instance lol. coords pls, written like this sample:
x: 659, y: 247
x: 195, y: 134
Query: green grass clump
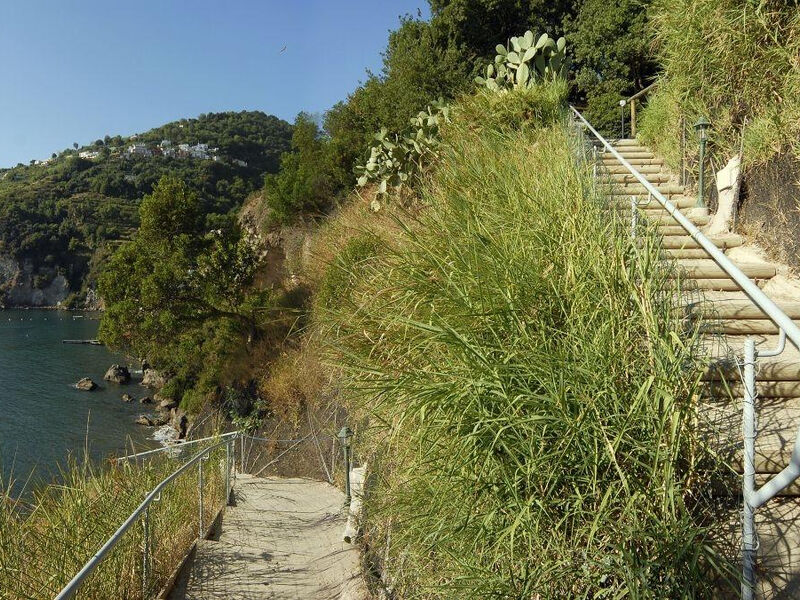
x: 734, y: 62
x: 537, y: 106
x: 528, y: 396
x: 47, y: 537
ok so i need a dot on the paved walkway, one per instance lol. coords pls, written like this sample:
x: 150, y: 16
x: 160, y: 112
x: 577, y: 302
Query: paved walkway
x: 282, y: 539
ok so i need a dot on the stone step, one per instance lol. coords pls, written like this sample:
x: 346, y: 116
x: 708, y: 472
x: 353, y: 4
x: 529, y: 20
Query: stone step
x: 691, y: 253
x: 636, y: 189
x: 671, y: 230
x: 740, y: 309
x: 778, y: 423
x: 768, y: 369
x: 626, y: 142
x: 622, y: 178
x: 778, y: 555
x: 708, y: 269
x: 664, y: 218
x: 742, y: 326
x: 764, y: 389
x: 618, y: 169
x: 715, y: 285
x: 607, y: 159
x: 645, y: 203
x: 728, y: 240
x: 628, y: 153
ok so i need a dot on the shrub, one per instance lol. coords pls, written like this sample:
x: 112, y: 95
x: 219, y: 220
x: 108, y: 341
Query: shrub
x: 527, y: 387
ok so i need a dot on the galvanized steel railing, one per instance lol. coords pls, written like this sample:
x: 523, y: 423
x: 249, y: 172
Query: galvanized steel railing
x: 143, y: 512
x: 752, y: 498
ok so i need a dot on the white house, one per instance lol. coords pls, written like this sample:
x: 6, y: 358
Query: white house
x: 90, y: 154
x: 139, y: 150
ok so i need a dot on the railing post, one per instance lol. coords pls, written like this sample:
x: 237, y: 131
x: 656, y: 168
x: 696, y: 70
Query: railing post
x: 228, y: 453
x: 749, y: 472
x: 200, y: 497
x: 146, y: 552
x: 241, y: 453
x: 633, y: 118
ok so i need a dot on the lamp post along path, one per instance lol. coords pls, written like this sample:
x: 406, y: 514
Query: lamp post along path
x: 701, y: 127
x: 345, y: 437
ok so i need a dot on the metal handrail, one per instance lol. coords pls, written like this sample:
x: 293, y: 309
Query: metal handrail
x: 752, y: 498
x: 759, y: 298
x: 72, y: 587
x: 176, y: 446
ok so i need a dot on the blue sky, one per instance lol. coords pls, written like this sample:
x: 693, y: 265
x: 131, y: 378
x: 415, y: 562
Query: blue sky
x: 76, y: 70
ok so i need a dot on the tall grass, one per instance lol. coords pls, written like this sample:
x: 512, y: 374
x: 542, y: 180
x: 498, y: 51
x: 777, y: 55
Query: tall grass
x: 736, y: 62
x: 525, y: 386
x: 46, y: 538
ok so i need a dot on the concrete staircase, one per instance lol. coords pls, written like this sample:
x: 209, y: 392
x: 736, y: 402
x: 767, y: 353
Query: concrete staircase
x: 727, y: 317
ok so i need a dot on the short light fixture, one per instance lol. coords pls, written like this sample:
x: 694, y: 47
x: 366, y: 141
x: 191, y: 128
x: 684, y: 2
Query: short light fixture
x: 346, y: 438
x: 701, y: 127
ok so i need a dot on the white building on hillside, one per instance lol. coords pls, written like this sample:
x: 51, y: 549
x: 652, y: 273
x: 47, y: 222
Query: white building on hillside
x: 139, y: 150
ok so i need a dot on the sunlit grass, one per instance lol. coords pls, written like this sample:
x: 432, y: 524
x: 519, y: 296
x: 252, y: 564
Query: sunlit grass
x: 47, y: 536
x: 528, y: 386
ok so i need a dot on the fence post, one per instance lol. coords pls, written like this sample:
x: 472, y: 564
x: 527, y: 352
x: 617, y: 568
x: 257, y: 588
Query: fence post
x: 633, y: 118
x: 749, y: 471
x: 241, y: 453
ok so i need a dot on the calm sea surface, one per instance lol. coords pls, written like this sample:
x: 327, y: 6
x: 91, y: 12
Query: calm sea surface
x: 43, y: 418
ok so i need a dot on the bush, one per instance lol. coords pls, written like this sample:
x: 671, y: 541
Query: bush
x: 527, y: 391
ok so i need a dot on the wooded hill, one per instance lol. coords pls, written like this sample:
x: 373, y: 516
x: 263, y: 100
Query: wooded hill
x: 64, y: 216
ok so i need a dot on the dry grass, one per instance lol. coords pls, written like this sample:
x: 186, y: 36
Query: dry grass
x: 60, y: 526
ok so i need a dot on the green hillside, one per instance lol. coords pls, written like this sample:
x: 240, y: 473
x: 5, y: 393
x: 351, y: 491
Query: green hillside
x: 62, y: 216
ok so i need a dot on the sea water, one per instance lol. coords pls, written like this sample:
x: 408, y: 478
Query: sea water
x: 43, y: 417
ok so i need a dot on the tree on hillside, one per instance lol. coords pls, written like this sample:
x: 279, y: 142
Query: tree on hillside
x: 611, y: 48
x: 303, y: 183
x: 175, y: 279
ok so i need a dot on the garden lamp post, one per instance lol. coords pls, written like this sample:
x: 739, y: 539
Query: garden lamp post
x: 622, y: 119
x: 701, y: 127
x: 345, y: 438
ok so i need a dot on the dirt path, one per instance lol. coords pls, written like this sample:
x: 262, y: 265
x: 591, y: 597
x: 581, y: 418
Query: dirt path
x: 282, y: 539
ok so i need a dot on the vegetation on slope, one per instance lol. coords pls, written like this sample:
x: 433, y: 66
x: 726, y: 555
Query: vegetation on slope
x: 65, y: 215
x: 734, y: 62
x: 60, y: 527
x: 523, y: 387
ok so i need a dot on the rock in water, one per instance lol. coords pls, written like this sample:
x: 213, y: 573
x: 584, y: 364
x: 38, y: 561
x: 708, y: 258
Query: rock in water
x: 127, y: 398
x: 86, y: 385
x: 152, y: 378
x: 144, y: 420
x: 117, y: 374
x: 145, y: 400
x: 179, y: 422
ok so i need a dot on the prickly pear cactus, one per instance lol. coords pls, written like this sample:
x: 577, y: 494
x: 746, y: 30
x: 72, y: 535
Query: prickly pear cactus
x: 526, y: 61
x: 396, y: 159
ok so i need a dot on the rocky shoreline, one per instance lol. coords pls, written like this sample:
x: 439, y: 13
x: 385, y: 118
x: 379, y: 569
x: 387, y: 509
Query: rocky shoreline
x: 166, y: 411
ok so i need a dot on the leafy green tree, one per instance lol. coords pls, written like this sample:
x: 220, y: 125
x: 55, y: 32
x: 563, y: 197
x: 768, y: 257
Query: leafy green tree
x: 175, y: 279
x: 303, y: 183
x: 611, y: 49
